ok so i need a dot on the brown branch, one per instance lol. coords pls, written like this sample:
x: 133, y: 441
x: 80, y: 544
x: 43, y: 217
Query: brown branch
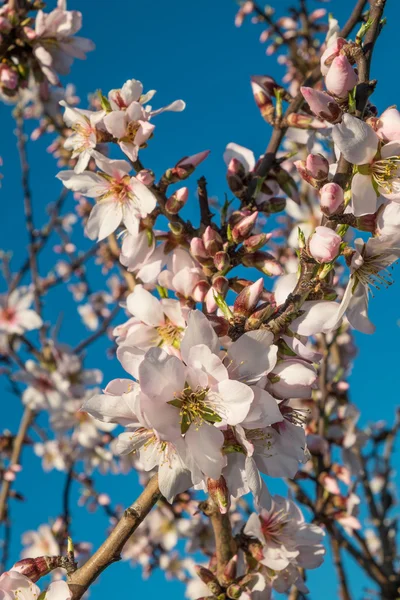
x: 99, y: 332
x: 225, y: 545
x: 110, y: 550
x: 205, y: 213
x: 338, y: 562
x: 15, y: 458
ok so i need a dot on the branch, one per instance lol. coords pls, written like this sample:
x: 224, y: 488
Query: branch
x: 225, y: 545
x: 15, y: 458
x: 337, y: 560
x: 205, y: 213
x: 110, y: 550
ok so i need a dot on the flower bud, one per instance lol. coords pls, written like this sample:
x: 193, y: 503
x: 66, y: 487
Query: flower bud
x: 331, y: 197
x: 263, y: 88
x: 330, y: 54
x: 255, y: 242
x: 199, y: 252
x: 272, y: 205
x: 234, y: 591
x: 388, y: 125
x: 236, y: 176
x: 185, y: 167
x: 243, y: 229
x: 177, y: 200
x: 220, y: 285
x: 8, y: 78
x: 146, y: 176
x: 248, y: 298
x: 322, y: 104
x: 324, y: 244
x: 341, y: 77
x: 302, y: 121
x: 260, y: 315
x: 212, y: 241
x: 221, y: 260
x: 200, y: 291
x: 219, y: 493
x: 35, y: 568
x: 263, y: 262
x: 209, y: 579
x: 317, y: 166
x: 194, y: 160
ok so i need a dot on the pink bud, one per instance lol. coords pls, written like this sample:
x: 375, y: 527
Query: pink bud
x: 316, y: 14
x: 330, y: 54
x: 35, y: 568
x: 194, y: 160
x: 263, y: 88
x: 212, y: 241
x: 177, y: 200
x: 243, y: 229
x: 331, y: 198
x: 248, y: 298
x: 236, y: 175
x: 324, y: 244
x: 200, y: 291
x: 302, y: 121
x: 321, y: 104
x: 388, y: 125
x: 255, y: 242
x: 264, y: 262
x: 317, y: 166
x: 341, y: 77
x: 199, y: 252
x: 8, y: 78
x: 221, y: 260
x: 146, y: 176
x: 103, y: 499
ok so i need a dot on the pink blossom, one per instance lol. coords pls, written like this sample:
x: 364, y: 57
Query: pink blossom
x: 324, y: 244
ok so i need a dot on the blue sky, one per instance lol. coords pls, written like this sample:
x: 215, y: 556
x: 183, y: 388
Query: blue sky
x: 188, y: 50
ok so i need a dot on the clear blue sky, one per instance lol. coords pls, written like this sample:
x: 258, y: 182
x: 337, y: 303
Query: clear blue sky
x: 190, y: 50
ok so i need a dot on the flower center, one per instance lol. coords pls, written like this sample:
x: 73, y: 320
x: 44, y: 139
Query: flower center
x: 385, y: 173
x: 171, y: 334
x: 297, y: 416
x: 85, y: 132
x: 195, y: 407
x: 8, y: 315
x: 273, y: 526
x: 131, y: 131
x: 373, y: 273
x: 118, y: 189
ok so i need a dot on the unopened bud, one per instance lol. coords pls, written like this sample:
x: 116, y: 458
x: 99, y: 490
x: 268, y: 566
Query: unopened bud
x: 219, y: 493
x: 255, y: 242
x: 317, y: 166
x: 234, y: 591
x: 212, y: 241
x: 198, y: 250
x: 229, y: 573
x: 177, y: 201
x: 146, y: 176
x: 324, y: 244
x: 330, y: 54
x: 243, y: 229
x: 260, y: 316
x: 35, y: 568
x: 302, y: 121
x: 221, y: 260
x: 331, y: 197
x: 264, y: 262
x: 273, y: 205
x: 236, y: 176
x: 200, y: 290
x: 248, y: 298
x: 341, y: 77
x: 194, y: 160
x: 322, y: 104
x: 209, y: 579
x: 263, y: 90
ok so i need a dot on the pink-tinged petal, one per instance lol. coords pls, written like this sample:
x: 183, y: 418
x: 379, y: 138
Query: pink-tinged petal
x: 252, y: 356
x: 295, y: 379
x: 131, y: 358
x: 144, y: 132
x: 143, y: 305
x: 117, y: 387
x: 176, y: 106
x: 145, y: 199
x: 173, y: 476
x: 204, y: 446
x: 364, y: 200
x: 357, y: 312
x: 131, y: 91
x: 114, y: 168
x: 83, y: 160
x: 341, y: 77
x: 257, y: 485
x: 135, y: 112
x: 58, y: 590
x: 253, y: 527
x: 335, y: 320
x: 202, y: 359
x: 116, y: 123
x: 242, y: 154
x: 199, y: 331
x: 388, y: 125
x: 104, y: 219
x: 89, y: 184
x: 173, y: 310
x: 264, y: 410
x: 391, y: 149
x: 136, y: 249
x: 356, y: 140
x: 130, y: 149
x: 115, y: 409
x: 301, y: 350
x: 162, y: 377
x: 314, y: 318
x: 237, y: 398
x: 131, y: 216
x: 284, y: 286
x: 29, y: 319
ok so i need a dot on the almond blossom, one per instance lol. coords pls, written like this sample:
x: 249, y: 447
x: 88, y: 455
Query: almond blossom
x: 121, y: 197
x: 15, y: 314
x: 378, y: 166
x: 83, y: 140
x: 14, y: 586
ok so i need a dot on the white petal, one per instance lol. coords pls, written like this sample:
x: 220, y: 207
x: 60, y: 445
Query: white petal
x: 237, y: 400
x: 205, y: 449
x: 146, y: 200
x: 84, y: 183
x: 161, y: 376
x: 146, y: 307
x: 356, y: 140
x: 242, y: 154
x: 199, y: 331
x: 315, y: 317
x: 257, y: 485
x: 104, y: 219
x: 364, y: 200
x: 252, y: 356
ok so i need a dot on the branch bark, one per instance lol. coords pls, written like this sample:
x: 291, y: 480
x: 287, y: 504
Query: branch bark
x: 109, y: 551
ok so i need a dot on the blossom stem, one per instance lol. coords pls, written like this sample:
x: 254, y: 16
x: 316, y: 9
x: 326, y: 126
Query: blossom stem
x: 109, y: 551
